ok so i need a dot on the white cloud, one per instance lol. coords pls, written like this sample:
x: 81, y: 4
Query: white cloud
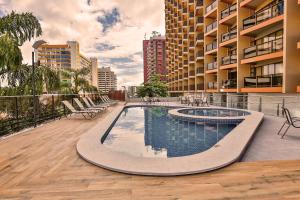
x: 64, y: 20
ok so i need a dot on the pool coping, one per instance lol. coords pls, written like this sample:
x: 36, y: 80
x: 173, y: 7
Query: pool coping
x: 220, y: 155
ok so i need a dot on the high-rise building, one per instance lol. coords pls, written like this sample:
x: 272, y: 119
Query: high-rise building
x: 94, y: 72
x: 154, y: 51
x: 250, y: 46
x: 107, y: 80
x: 66, y: 56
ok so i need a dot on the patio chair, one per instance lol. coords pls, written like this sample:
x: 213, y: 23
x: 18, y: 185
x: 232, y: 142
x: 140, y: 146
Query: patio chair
x: 104, y: 100
x: 85, y: 113
x: 290, y: 121
x: 96, y: 105
x: 90, y: 106
x: 80, y: 105
x: 109, y: 100
x: 204, y: 101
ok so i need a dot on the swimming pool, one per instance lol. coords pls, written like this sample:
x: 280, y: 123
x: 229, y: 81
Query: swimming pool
x: 152, y: 132
x: 137, y: 139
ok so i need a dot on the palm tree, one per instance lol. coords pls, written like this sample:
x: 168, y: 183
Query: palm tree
x: 15, y: 29
x: 78, y: 77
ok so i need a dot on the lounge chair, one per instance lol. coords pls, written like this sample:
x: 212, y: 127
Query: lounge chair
x: 109, y: 100
x: 80, y: 105
x: 290, y: 121
x: 85, y: 113
x: 90, y: 106
x: 105, y: 100
x: 96, y: 105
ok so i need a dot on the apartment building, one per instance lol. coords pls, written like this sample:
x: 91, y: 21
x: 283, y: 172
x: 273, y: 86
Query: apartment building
x: 107, y: 80
x: 250, y: 46
x: 65, y: 56
x: 154, y: 52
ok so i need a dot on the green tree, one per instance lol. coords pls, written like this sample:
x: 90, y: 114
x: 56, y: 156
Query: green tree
x: 78, y: 77
x: 153, y: 88
x: 15, y: 29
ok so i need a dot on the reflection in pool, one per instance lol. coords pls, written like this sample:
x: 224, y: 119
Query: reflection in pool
x: 151, y: 132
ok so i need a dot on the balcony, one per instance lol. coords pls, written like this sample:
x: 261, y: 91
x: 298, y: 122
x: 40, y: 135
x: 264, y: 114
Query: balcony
x: 227, y: 12
x: 229, y: 35
x: 192, y: 15
x: 212, y: 85
x: 200, y: 20
x: 263, y: 15
x: 271, y: 81
x: 186, y: 88
x: 186, y: 75
x: 192, y: 73
x: 200, y: 86
x: 263, y: 49
x: 229, y: 84
x: 200, y: 70
x: 227, y: 60
x: 185, y: 62
x: 211, y: 7
x: 199, y: 3
x: 200, y: 54
x: 212, y: 66
x: 211, y: 27
x: 192, y: 87
x: 211, y: 46
x: 200, y: 37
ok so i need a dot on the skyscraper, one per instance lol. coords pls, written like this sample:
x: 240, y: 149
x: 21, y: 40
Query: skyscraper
x: 107, y: 80
x: 235, y: 46
x: 154, y: 57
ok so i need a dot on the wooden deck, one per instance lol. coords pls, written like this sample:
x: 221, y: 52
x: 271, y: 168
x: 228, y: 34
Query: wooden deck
x: 43, y: 164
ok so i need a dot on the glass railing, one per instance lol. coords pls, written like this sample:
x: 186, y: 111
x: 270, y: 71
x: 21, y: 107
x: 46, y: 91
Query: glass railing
x: 192, y: 73
x: 211, y: 27
x: 200, y: 86
x: 229, y: 35
x: 263, y: 15
x: 212, y: 66
x: 228, y: 11
x: 274, y: 80
x: 200, y: 70
x: 211, y: 46
x: 200, y: 54
x: 227, y: 60
x: 200, y: 37
x: 211, y: 7
x: 229, y: 84
x: 212, y: 85
x: 264, y: 48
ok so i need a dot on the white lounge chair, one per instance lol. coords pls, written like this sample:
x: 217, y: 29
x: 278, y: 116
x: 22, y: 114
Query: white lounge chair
x: 80, y: 105
x: 90, y: 106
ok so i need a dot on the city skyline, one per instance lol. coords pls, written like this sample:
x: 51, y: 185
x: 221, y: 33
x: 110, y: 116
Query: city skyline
x: 99, y: 27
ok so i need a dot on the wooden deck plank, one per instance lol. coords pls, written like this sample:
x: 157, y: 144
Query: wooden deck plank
x: 43, y: 164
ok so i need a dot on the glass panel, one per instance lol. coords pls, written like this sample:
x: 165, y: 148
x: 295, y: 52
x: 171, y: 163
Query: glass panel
x: 265, y: 70
x: 278, y: 68
x: 271, y: 69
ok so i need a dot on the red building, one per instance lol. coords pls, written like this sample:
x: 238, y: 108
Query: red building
x: 155, y: 57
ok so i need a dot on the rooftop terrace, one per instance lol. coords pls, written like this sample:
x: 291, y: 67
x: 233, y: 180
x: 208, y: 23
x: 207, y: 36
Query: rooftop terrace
x: 42, y: 163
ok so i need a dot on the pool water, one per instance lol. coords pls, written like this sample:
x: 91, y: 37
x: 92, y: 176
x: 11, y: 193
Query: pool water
x: 214, y: 112
x: 151, y: 132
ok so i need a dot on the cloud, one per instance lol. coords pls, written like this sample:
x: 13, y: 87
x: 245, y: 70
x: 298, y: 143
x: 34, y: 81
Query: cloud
x: 124, y: 23
x: 109, y: 19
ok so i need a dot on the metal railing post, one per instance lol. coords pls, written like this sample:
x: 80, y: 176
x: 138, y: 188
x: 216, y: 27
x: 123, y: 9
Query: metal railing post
x: 53, y: 107
x: 260, y: 104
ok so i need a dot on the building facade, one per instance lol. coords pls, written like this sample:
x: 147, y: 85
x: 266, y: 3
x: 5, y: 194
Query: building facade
x: 64, y: 57
x: 107, y: 80
x: 154, y: 53
x: 233, y: 46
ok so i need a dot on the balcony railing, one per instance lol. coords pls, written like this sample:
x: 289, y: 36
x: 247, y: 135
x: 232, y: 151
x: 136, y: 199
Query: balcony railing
x: 264, y: 48
x: 212, y: 66
x: 185, y: 62
x: 192, y: 73
x: 200, y: 86
x: 192, y: 14
x: 211, y: 46
x: 186, y: 88
x: 263, y: 15
x: 211, y: 7
x: 200, y: 70
x: 200, y: 54
x: 199, y: 3
x: 229, y: 35
x: 200, y: 20
x: 186, y: 75
x: 212, y: 85
x: 211, y: 27
x: 229, y: 84
x: 274, y: 80
x: 200, y: 37
x: 228, y: 11
x: 227, y: 60
x: 192, y: 87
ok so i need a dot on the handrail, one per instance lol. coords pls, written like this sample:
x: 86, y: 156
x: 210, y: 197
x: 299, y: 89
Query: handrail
x: 228, y: 11
x: 210, y: 7
x: 212, y: 66
x: 264, y: 48
x: 264, y: 81
x: 263, y: 15
x: 227, y: 60
x: 211, y: 27
x: 229, y: 35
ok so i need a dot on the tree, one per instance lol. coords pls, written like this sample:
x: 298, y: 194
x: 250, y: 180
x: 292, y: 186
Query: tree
x: 153, y: 88
x: 15, y: 29
x: 78, y: 77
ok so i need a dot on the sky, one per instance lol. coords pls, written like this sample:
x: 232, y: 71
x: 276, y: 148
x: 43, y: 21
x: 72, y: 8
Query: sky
x: 111, y: 30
